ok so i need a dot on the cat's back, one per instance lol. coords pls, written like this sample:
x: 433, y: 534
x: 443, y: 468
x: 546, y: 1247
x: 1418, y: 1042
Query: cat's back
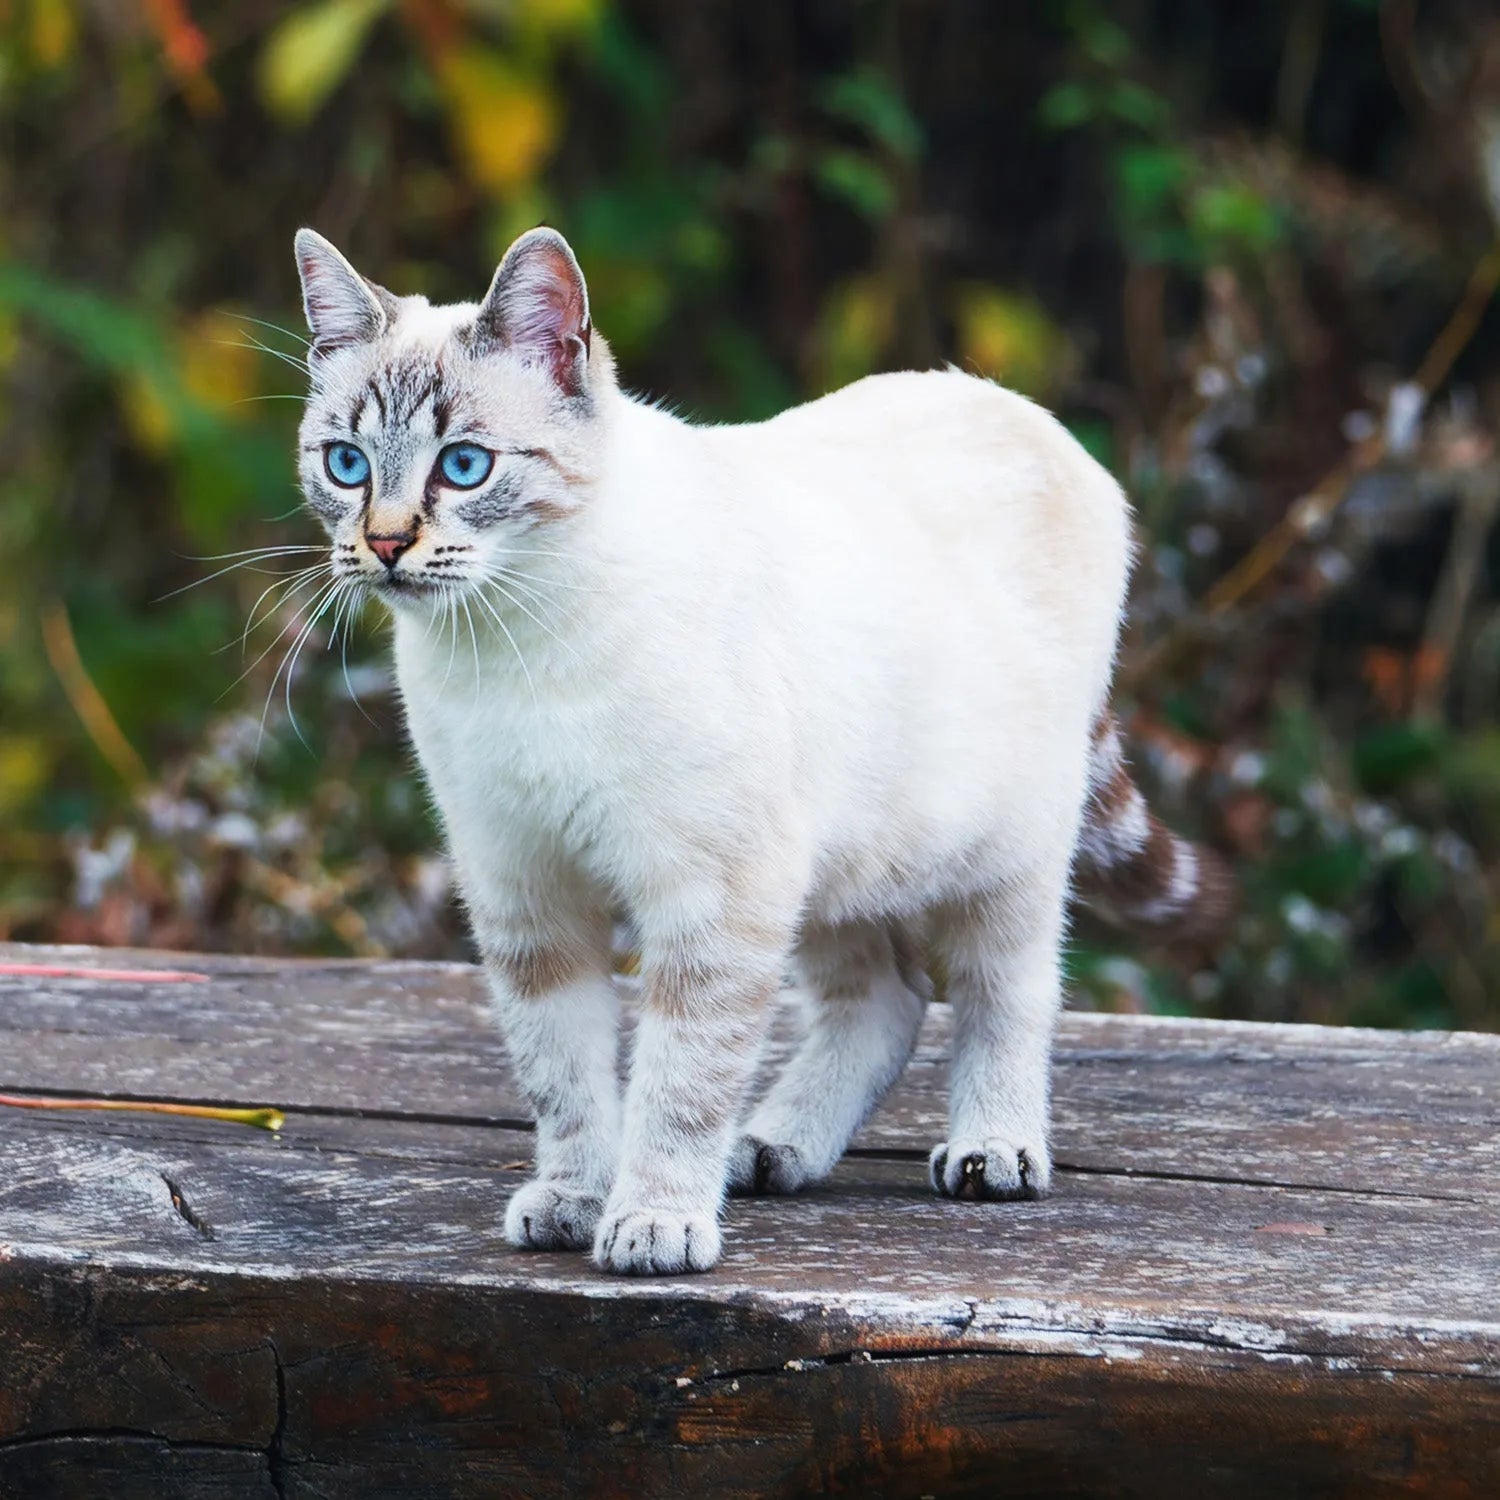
x: 943, y: 457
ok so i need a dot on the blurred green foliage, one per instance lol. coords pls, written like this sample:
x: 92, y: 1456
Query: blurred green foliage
x: 1211, y: 237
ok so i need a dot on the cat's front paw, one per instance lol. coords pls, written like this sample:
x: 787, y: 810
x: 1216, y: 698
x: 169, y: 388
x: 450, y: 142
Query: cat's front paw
x: 657, y: 1242
x: 552, y: 1216
x: 991, y: 1169
x: 756, y: 1167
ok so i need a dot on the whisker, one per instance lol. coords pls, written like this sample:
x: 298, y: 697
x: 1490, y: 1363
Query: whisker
x: 495, y: 582
x: 346, y: 618
x: 474, y: 640
x: 538, y: 552
x: 558, y: 583
x: 526, y: 589
x: 288, y: 664
x: 291, y: 333
x: 253, y: 551
x: 453, y: 646
x: 250, y: 621
x: 281, y: 354
x: 249, y: 562
x: 276, y: 640
x: 494, y: 614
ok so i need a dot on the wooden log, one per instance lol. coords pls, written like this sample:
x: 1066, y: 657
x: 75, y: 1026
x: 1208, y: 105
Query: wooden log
x: 1271, y: 1266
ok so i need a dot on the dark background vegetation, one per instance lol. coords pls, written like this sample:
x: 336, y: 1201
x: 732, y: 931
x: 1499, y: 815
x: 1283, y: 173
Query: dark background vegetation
x: 1246, y: 251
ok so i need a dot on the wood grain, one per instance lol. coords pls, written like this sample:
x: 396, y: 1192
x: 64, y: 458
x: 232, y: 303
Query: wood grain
x: 1271, y: 1266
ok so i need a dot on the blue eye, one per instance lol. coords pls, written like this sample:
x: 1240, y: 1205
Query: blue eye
x: 346, y: 465
x: 465, y: 464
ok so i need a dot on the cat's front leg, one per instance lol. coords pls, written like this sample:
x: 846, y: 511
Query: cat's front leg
x: 705, y: 1006
x: 559, y: 1014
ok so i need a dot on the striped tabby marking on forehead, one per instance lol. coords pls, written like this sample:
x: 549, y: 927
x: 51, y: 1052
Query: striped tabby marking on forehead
x: 400, y: 391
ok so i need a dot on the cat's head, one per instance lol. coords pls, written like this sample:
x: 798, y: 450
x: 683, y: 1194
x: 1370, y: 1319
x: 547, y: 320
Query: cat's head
x: 437, y: 439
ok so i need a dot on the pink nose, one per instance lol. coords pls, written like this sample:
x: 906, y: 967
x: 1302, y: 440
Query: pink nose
x: 389, y: 548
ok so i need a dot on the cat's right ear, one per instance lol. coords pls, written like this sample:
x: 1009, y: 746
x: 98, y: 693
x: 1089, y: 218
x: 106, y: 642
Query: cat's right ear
x: 342, y: 308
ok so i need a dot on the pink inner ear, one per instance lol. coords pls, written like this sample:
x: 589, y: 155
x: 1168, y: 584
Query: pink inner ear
x: 339, y: 312
x: 547, y: 303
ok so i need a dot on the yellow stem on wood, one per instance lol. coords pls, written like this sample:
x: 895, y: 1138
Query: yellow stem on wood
x: 262, y: 1118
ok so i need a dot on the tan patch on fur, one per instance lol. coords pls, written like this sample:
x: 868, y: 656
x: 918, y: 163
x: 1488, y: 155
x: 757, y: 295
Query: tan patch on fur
x: 537, y: 971
x: 546, y: 510
x: 1109, y: 803
x: 682, y: 991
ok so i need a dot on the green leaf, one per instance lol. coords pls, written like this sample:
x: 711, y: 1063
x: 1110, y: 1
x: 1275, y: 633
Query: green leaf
x: 1389, y: 757
x: 870, y: 101
x: 308, y: 54
x: 1234, y: 213
x: 857, y: 181
x: 1066, y: 106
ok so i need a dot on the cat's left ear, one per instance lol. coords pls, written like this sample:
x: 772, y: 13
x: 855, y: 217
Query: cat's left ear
x: 342, y: 307
x: 538, y: 306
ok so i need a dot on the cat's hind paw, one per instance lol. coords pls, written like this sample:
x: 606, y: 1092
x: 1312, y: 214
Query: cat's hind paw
x: 552, y: 1216
x: 757, y: 1168
x: 657, y: 1242
x: 995, y: 1170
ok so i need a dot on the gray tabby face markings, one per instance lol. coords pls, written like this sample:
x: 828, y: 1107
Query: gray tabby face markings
x: 473, y: 426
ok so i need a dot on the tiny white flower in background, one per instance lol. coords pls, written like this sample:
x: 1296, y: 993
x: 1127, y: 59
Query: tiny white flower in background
x: 1247, y: 768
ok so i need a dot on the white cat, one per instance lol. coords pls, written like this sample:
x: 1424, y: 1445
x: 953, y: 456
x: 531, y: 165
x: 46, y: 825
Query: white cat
x: 829, y: 691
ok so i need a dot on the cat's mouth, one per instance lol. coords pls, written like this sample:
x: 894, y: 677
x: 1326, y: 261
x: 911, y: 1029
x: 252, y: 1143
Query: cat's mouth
x: 403, y: 585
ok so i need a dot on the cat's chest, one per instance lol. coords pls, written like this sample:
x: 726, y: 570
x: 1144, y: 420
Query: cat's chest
x: 508, y: 753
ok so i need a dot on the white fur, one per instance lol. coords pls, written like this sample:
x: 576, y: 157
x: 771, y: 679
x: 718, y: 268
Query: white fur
x: 822, y: 673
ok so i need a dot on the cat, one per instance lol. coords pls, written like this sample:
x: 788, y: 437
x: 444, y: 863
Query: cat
x: 829, y: 691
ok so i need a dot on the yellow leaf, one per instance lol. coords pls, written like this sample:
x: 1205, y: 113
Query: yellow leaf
x: 855, y: 330
x: 218, y: 364
x: 1008, y: 336
x: 147, y: 413
x: 310, y: 51
x: 24, y: 768
x: 54, y: 29
x: 559, y: 17
x: 505, y: 123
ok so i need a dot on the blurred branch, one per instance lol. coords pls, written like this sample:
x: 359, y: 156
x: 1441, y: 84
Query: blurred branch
x: 88, y: 702
x: 1313, y: 510
x: 1462, y: 570
x: 1398, y: 41
x: 327, y: 903
x: 1299, y: 66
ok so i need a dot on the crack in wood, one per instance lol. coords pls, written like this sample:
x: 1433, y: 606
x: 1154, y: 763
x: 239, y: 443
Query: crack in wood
x: 122, y: 1434
x: 276, y: 1462
x: 185, y: 1210
x: 861, y: 1153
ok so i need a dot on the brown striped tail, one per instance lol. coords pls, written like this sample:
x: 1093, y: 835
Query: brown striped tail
x: 1133, y: 865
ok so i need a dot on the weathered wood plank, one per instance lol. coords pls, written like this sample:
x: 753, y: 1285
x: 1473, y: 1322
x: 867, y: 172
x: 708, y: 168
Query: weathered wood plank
x: 197, y: 1309
x: 1374, y: 1111
x: 344, y: 1199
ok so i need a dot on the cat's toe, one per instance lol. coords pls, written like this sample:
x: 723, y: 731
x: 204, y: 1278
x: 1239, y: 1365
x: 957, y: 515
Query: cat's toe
x: 756, y: 1167
x: 991, y: 1169
x: 552, y: 1216
x: 657, y: 1242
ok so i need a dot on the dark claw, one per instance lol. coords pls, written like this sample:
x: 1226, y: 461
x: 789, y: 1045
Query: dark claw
x: 765, y: 1164
x: 974, y: 1175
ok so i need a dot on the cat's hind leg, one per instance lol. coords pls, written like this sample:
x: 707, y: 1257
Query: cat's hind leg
x: 1003, y: 956
x: 866, y: 1001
